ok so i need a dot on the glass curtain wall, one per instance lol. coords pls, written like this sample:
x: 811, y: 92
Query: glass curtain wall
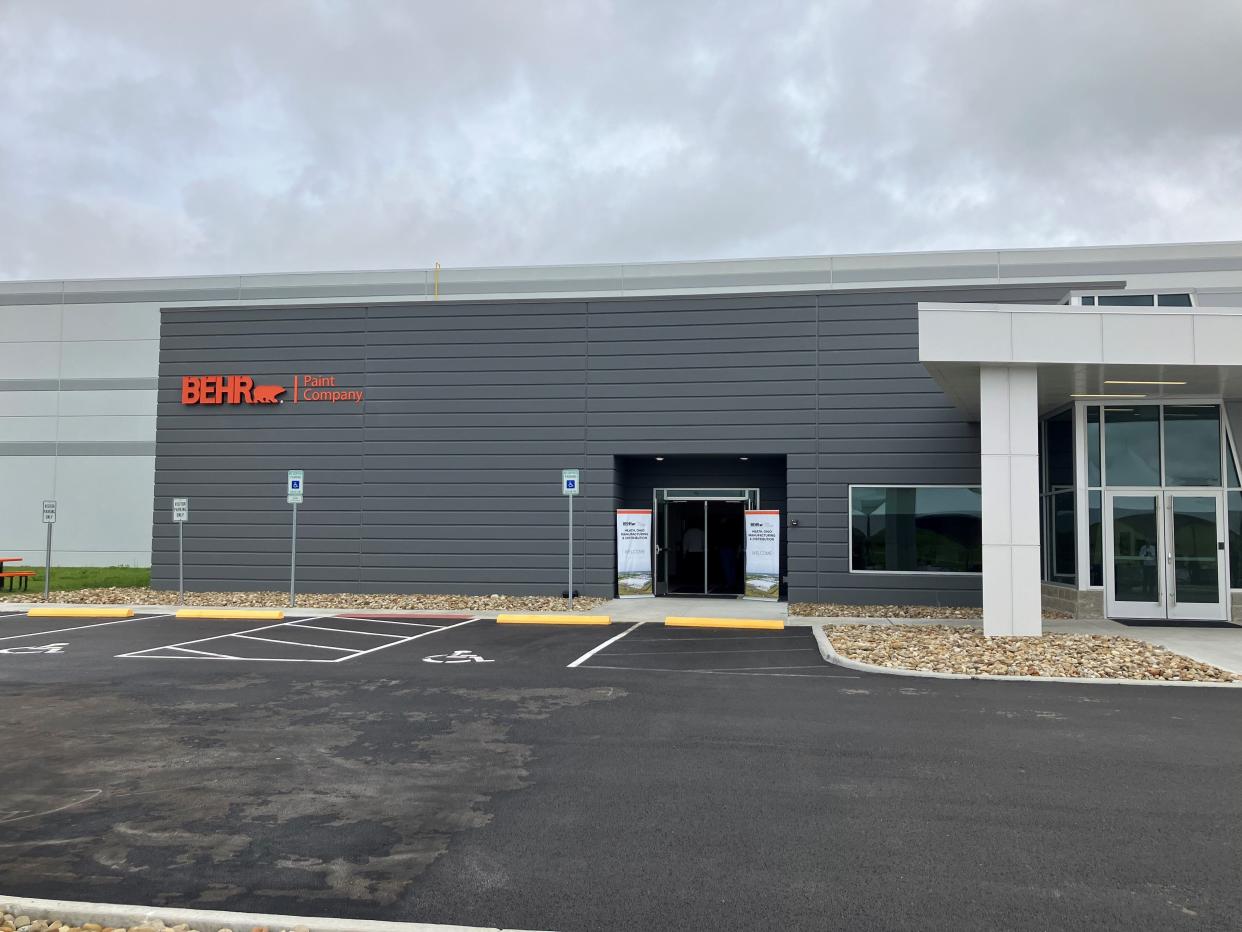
x: 1057, y: 511
x: 1158, y: 445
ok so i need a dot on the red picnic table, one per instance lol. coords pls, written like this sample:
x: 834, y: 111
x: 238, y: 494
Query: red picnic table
x: 10, y: 575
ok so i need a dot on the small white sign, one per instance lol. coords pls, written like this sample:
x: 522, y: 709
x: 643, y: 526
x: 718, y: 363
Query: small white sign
x: 457, y: 656
x: 570, y: 483
x: 181, y: 509
x: 49, y: 511
x: 297, y: 486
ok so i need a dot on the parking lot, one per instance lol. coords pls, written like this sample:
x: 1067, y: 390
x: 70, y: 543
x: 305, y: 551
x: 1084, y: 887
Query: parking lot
x: 450, y: 769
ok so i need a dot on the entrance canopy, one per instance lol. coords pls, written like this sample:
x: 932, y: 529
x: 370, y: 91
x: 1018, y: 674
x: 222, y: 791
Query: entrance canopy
x: 1008, y: 365
x: 1079, y: 350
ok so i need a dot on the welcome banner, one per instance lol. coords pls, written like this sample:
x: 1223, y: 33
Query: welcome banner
x: 634, y: 553
x: 763, y: 554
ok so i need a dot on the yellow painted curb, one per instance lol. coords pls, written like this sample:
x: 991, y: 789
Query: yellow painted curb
x: 55, y: 611
x: 764, y: 624
x: 553, y: 620
x: 262, y: 614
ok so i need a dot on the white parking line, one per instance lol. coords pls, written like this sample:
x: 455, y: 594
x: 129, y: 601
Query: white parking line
x: 102, y: 624
x: 385, y: 621
x: 415, y: 637
x: 820, y: 676
x: 745, y: 650
x: 595, y: 650
x: 348, y: 653
x: 346, y: 650
x: 298, y: 624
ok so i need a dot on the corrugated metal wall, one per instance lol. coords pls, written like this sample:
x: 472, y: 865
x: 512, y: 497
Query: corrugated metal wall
x: 446, y: 478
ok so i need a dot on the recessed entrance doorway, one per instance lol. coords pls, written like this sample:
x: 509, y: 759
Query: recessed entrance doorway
x: 700, y: 541
x: 1165, y: 555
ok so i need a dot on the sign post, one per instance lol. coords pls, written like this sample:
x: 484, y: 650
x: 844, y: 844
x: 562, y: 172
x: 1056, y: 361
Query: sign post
x: 293, y: 495
x: 49, y: 518
x: 180, y: 515
x: 569, y: 487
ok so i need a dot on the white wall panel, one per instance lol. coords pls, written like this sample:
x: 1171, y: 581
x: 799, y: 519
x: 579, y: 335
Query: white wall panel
x: 134, y: 402
x: 26, y: 481
x: 27, y: 429
x: 25, y: 323
x: 29, y: 360
x: 28, y: 404
x: 104, y: 504
x: 108, y: 427
x: 116, y: 359
x: 112, y: 321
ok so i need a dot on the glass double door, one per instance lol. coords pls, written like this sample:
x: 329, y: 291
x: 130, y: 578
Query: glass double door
x: 701, y: 549
x: 1165, y: 555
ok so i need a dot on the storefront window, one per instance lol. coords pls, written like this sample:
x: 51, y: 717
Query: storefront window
x: 916, y: 529
x: 1191, y: 445
x: 1059, y: 451
x: 1132, y: 445
x: 1093, y: 446
x: 1234, y: 503
x: 1095, y: 536
x: 1060, y: 521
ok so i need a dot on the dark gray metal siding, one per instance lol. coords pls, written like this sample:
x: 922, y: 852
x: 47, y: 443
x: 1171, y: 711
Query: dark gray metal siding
x: 445, y: 479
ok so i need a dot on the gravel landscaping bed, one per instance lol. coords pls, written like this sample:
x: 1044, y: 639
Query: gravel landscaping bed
x: 948, y: 649
x: 838, y: 610
x: 466, y: 603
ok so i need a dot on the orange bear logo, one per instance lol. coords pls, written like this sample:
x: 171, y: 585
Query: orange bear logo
x: 267, y: 394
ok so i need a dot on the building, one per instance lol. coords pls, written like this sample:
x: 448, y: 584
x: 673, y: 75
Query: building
x: 931, y: 427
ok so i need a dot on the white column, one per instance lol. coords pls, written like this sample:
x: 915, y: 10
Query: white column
x: 1009, y: 443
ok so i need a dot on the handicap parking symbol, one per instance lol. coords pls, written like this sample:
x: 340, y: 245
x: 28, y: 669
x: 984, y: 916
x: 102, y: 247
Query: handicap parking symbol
x: 44, y: 649
x: 457, y: 656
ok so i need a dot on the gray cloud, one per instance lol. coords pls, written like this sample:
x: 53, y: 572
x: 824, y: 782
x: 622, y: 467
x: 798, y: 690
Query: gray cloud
x: 175, y: 138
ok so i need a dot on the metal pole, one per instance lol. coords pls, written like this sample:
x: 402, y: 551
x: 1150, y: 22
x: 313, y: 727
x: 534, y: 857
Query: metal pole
x: 180, y: 563
x: 571, y: 552
x: 293, y: 558
x: 47, y: 564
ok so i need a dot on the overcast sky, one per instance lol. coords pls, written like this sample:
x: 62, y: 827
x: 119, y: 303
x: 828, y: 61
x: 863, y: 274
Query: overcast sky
x: 146, y: 138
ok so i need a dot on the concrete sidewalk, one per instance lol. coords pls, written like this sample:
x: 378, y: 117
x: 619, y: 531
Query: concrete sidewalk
x: 1221, y: 647
x: 655, y: 610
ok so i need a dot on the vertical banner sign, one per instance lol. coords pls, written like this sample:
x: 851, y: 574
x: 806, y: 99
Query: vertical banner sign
x: 634, y: 553
x: 763, y: 554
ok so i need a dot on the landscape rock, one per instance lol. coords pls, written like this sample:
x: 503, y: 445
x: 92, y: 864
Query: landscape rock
x: 357, y: 601
x: 957, y: 649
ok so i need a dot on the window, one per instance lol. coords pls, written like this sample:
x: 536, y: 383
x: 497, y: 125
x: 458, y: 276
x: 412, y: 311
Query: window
x: 1057, y: 513
x: 1150, y: 299
x: 1132, y: 445
x: 1191, y: 445
x: 916, y: 529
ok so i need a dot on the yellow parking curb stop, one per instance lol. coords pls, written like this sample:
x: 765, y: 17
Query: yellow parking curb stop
x: 261, y: 614
x: 66, y: 611
x: 763, y: 624
x: 553, y: 620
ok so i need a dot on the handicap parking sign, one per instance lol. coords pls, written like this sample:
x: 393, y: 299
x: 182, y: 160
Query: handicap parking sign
x: 569, y: 482
x: 296, y: 487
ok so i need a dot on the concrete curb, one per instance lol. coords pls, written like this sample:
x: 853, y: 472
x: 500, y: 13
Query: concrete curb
x: 21, y: 607
x: 829, y: 653
x: 515, y: 618
x: 209, y: 920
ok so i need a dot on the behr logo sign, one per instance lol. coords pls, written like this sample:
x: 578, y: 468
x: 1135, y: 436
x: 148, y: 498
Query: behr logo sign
x: 241, y: 389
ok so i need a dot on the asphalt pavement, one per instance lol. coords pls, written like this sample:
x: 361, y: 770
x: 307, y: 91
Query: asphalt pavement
x: 457, y: 771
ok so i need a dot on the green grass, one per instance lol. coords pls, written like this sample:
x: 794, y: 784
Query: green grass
x: 83, y: 577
